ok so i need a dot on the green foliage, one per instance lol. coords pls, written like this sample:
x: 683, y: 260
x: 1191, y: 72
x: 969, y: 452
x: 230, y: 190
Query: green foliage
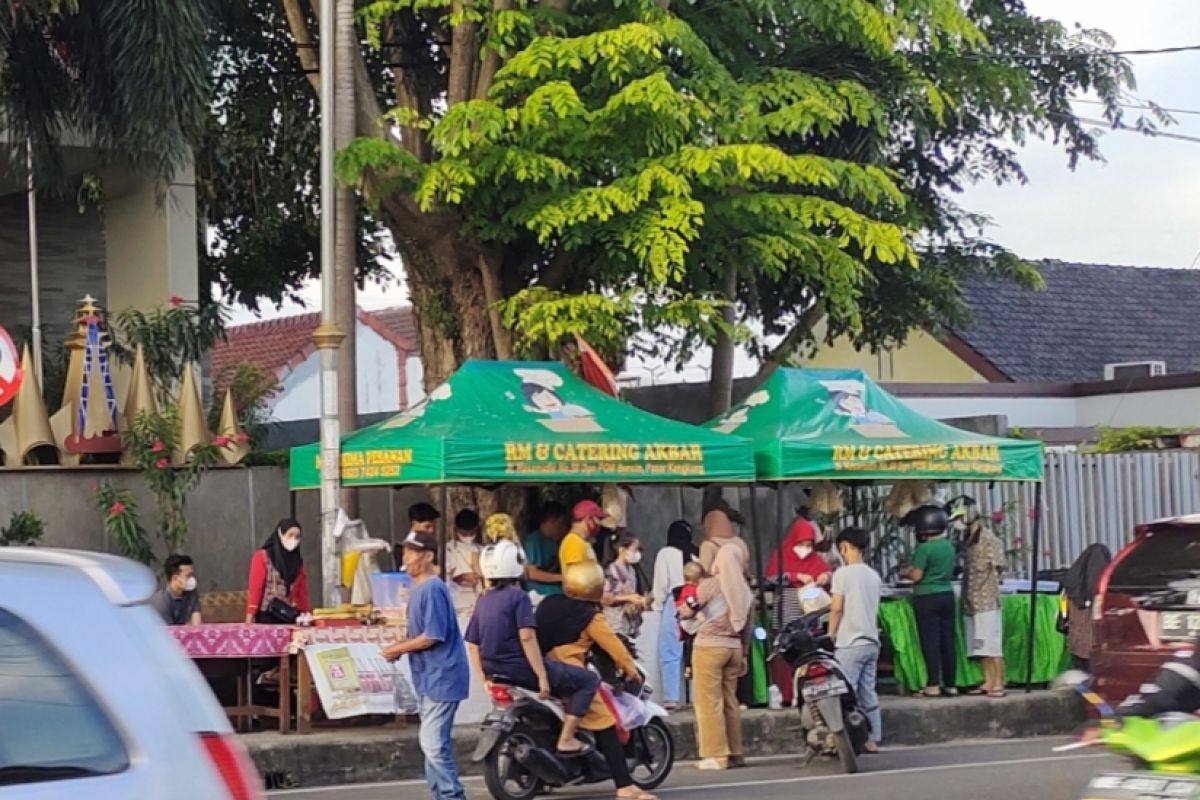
x: 171, y: 338
x: 275, y: 458
x: 121, y: 522
x: 1129, y: 440
x: 152, y: 439
x: 24, y: 529
x: 128, y: 76
x: 252, y: 389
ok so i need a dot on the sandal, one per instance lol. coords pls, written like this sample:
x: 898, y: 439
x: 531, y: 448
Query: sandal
x: 978, y: 692
x: 931, y: 692
x: 998, y: 694
x: 640, y: 795
x: 712, y: 764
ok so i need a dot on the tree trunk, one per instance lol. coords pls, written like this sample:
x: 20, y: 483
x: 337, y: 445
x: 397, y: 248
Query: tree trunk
x: 720, y: 387
x: 346, y: 218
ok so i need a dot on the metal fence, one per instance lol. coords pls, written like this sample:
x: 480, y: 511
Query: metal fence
x: 1089, y: 498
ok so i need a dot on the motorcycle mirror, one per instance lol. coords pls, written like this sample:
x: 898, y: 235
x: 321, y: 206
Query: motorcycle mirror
x: 760, y: 633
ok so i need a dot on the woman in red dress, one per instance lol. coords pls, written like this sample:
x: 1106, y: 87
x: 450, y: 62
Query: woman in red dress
x: 277, y: 573
x: 802, y: 566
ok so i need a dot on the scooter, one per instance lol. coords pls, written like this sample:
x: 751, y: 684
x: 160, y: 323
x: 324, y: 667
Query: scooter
x: 517, y: 743
x: 832, y: 720
x: 1163, y: 752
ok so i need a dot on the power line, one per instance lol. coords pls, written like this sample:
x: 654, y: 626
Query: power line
x: 1148, y: 107
x: 1120, y: 126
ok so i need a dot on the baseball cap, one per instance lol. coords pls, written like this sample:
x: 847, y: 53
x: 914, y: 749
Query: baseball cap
x: 591, y: 510
x: 420, y: 541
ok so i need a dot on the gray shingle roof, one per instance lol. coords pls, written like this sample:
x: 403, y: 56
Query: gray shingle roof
x: 1088, y: 315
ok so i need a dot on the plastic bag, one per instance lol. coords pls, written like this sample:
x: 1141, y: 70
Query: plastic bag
x: 631, y: 712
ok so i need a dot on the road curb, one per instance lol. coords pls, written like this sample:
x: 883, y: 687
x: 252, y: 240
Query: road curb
x: 368, y: 755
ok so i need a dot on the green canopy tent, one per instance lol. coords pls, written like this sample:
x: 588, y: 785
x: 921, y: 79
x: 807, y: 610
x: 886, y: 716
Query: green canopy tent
x: 840, y: 425
x: 524, y: 422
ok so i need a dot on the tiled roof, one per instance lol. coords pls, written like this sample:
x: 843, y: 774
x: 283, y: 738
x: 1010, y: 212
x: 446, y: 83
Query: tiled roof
x: 278, y: 345
x: 1088, y: 315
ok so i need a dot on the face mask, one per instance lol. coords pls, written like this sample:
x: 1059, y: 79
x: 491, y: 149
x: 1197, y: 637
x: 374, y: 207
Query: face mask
x: 467, y: 538
x: 634, y: 557
x: 803, y: 550
x: 190, y: 584
x: 290, y: 543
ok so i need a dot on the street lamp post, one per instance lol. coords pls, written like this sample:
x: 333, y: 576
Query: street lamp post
x: 327, y: 336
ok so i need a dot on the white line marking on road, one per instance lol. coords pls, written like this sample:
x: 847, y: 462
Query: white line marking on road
x: 732, y: 785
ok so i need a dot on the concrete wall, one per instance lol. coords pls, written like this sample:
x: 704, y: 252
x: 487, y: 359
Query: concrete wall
x: 378, y: 381
x: 922, y: 358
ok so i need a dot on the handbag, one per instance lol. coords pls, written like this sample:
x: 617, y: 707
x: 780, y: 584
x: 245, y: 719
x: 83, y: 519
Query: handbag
x: 282, y: 611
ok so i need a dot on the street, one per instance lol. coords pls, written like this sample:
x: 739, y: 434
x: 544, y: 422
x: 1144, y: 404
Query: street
x: 980, y: 771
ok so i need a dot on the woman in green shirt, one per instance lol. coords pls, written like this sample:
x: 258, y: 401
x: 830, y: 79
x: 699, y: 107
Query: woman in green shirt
x: 933, y: 598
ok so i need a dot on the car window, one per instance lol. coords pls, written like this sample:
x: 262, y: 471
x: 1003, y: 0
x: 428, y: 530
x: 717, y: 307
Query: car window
x: 1159, y: 559
x: 51, y: 728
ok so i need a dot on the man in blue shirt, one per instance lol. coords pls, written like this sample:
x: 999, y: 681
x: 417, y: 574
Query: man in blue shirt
x: 541, y: 550
x: 438, y: 660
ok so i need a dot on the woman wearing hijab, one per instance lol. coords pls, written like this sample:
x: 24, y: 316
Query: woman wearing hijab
x: 278, y: 584
x: 800, y: 564
x: 720, y: 528
x: 720, y: 657
x: 1081, y: 583
x: 569, y: 627
x: 668, y: 580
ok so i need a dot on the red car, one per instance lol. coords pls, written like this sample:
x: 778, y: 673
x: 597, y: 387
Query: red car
x: 1147, y: 606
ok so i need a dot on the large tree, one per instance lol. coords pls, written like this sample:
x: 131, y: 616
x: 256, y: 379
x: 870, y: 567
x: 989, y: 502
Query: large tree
x: 562, y: 167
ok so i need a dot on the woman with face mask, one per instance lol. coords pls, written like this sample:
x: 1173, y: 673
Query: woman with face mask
x: 799, y: 563
x: 624, y: 604
x: 278, y: 585
x: 462, y: 561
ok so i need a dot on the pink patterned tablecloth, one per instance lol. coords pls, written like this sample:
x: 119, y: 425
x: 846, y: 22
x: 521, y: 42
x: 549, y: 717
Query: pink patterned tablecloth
x: 233, y: 640
x: 347, y: 634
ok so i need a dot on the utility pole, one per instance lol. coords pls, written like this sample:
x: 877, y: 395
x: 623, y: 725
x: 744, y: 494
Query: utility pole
x: 328, y: 336
x: 34, y: 279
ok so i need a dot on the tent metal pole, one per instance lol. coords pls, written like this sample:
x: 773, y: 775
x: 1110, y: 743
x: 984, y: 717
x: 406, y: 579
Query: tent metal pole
x: 442, y: 531
x: 758, y: 570
x: 854, y: 503
x: 779, y: 587
x: 1033, y: 583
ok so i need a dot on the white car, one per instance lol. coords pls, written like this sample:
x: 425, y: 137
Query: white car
x: 96, y: 700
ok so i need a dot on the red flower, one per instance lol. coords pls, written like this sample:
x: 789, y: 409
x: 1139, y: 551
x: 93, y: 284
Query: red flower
x: 1033, y: 513
x: 162, y: 463
x: 998, y: 517
x: 243, y: 438
x: 158, y: 446
x: 176, y: 300
x: 95, y: 488
x: 221, y: 441
x: 116, y: 509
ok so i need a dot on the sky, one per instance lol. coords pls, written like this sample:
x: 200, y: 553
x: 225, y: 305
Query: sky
x: 1140, y: 207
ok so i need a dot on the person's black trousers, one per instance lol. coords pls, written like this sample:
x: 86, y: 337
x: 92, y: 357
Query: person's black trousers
x: 937, y: 625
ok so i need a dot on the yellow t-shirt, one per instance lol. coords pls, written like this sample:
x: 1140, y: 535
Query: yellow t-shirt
x: 574, y: 549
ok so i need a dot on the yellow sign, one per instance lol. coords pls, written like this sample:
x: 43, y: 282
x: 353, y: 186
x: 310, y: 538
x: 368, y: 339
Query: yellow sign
x: 901, y: 459
x: 620, y: 458
x: 381, y: 463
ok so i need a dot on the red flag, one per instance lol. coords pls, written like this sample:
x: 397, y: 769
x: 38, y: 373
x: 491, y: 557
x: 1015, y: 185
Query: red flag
x: 595, y: 371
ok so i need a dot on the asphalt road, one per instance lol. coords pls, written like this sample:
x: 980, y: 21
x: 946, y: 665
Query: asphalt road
x: 977, y: 771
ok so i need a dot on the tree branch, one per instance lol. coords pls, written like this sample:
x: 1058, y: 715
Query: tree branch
x: 305, y: 47
x: 464, y: 53
x: 412, y: 138
x: 794, y: 338
x: 491, y: 60
x: 489, y: 268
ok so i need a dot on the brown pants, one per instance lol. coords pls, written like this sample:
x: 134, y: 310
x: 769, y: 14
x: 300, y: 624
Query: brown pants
x: 715, y: 672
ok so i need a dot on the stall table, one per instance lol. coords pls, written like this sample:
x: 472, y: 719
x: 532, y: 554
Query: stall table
x: 223, y: 642
x: 899, y: 624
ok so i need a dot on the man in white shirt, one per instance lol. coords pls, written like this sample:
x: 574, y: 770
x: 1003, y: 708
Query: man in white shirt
x: 854, y: 626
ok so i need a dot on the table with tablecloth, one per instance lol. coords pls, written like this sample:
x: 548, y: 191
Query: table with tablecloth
x: 1050, y: 656
x: 213, y: 645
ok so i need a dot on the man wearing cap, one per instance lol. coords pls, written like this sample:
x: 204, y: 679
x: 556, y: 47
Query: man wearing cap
x: 438, y: 661
x: 577, y: 544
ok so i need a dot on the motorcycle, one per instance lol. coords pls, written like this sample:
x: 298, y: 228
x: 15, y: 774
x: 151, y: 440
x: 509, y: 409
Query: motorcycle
x: 1163, y: 752
x: 832, y: 720
x: 518, y: 738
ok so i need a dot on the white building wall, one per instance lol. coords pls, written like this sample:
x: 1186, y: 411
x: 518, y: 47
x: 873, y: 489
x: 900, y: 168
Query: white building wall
x: 378, y: 381
x: 1022, y: 412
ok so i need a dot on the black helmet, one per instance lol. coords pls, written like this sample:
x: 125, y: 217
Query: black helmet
x: 928, y: 520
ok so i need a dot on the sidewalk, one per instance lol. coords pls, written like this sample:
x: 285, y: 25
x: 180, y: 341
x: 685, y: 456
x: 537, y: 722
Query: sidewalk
x: 364, y: 755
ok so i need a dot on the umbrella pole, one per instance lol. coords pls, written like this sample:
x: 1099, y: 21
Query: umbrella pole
x: 758, y: 570
x: 442, y: 532
x: 779, y: 589
x: 1033, y: 582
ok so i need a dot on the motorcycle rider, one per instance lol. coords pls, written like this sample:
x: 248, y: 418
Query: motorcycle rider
x: 569, y: 627
x: 502, y: 642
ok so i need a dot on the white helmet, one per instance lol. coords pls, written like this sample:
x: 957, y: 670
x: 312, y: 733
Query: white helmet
x: 503, y: 560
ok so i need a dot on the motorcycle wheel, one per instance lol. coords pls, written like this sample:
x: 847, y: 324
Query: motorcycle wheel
x: 845, y: 751
x: 654, y: 745
x: 504, y: 777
